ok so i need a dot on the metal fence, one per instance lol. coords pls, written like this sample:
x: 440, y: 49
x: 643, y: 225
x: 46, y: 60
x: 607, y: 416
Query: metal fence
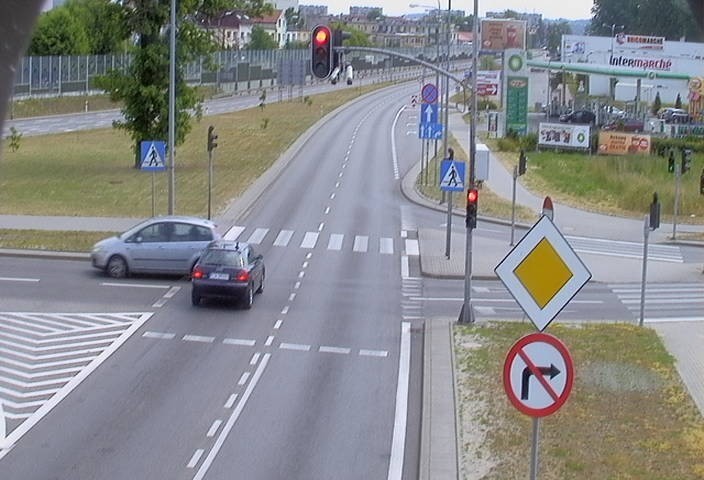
x: 76, y: 74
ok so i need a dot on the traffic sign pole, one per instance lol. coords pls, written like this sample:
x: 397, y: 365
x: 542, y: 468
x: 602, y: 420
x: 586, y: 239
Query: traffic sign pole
x: 534, y: 449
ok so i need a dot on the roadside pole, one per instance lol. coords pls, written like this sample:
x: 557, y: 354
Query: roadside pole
x: 678, y: 181
x: 646, y: 232
x: 513, y: 203
x: 210, y: 181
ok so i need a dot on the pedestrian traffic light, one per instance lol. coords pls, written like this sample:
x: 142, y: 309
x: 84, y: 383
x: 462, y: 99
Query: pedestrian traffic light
x: 522, y: 160
x: 211, y: 138
x: 671, y: 162
x: 321, y: 52
x: 472, y: 206
x: 686, y: 159
x: 654, y: 221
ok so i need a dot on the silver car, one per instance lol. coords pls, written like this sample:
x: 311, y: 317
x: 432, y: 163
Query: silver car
x: 167, y: 245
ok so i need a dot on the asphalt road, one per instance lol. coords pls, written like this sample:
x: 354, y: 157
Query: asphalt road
x: 304, y: 385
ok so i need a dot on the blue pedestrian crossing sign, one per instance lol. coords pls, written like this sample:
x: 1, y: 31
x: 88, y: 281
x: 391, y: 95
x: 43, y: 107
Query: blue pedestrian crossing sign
x: 153, y: 155
x: 432, y: 131
x: 451, y: 176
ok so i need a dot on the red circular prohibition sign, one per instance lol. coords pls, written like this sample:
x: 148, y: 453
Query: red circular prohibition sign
x: 538, y: 371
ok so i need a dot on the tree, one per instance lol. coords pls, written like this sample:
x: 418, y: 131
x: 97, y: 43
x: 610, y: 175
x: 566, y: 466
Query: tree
x: 657, y: 104
x: 104, y: 23
x: 644, y: 17
x: 59, y: 33
x: 261, y: 40
x: 143, y: 87
x: 678, y: 101
x: 555, y: 31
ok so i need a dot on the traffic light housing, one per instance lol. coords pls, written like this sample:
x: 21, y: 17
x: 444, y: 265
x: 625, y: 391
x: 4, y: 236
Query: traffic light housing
x: 472, y: 207
x: 654, y: 221
x: 671, y: 162
x: 686, y: 159
x: 522, y: 161
x: 212, y: 144
x: 322, y: 58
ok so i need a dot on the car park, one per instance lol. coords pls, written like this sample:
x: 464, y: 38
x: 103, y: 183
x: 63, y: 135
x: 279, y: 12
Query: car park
x: 578, y: 116
x: 625, y: 125
x: 228, y: 270
x: 160, y: 245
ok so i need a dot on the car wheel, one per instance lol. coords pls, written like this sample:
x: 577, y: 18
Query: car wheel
x: 117, y: 267
x: 261, y: 285
x: 248, y: 298
x: 195, y: 298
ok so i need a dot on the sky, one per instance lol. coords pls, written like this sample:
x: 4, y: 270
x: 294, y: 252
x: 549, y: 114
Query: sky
x: 570, y: 9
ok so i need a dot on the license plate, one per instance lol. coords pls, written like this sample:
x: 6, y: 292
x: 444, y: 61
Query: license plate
x: 219, y: 276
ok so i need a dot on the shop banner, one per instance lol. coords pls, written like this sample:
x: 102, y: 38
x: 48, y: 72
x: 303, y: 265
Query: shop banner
x: 564, y: 135
x: 619, y: 143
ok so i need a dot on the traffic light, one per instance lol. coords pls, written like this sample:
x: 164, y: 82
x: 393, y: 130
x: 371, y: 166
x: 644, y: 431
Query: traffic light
x: 654, y: 212
x: 211, y: 138
x: 321, y: 52
x: 686, y: 159
x: 472, y: 206
x: 522, y: 160
x: 671, y: 162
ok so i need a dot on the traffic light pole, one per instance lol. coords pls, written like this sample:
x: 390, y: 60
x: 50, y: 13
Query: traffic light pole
x: 513, y: 203
x: 678, y: 181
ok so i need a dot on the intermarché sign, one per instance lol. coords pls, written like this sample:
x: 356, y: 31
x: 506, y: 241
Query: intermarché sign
x: 644, y: 63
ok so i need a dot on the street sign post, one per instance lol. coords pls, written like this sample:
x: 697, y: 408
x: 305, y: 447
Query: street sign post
x: 543, y: 273
x: 153, y: 156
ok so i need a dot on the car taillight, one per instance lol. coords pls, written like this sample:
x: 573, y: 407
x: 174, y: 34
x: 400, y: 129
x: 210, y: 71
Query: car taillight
x: 243, y: 276
x: 197, y: 273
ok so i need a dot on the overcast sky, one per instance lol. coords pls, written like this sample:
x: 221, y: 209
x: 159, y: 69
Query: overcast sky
x: 571, y: 9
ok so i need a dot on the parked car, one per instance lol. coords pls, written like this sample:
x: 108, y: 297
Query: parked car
x: 578, y: 116
x: 228, y: 269
x: 166, y: 245
x: 674, y: 115
x: 625, y: 125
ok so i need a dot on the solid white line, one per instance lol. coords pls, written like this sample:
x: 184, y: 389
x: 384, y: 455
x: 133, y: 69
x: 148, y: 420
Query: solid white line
x: 213, y: 428
x: 17, y: 433
x: 198, y: 338
x: 243, y: 379
x: 283, y: 238
x: 194, y: 459
x: 231, y: 401
x: 394, y: 156
x: 412, y: 247
x: 400, y: 418
x: 233, y: 233
x: 231, y: 421
x: 17, y: 279
x: 294, y: 346
x: 309, y: 240
x: 239, y: 341
x: 159, y: 335
x: 405, y: 267
x: 673, y: 319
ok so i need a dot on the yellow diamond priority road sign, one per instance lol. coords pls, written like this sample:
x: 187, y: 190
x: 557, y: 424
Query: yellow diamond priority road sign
x: 543, y: 273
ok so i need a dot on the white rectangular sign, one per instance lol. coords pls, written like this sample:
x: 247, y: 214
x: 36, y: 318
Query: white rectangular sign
x: 563, y: 135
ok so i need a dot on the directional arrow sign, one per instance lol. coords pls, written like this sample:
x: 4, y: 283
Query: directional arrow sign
x: 538, y: 374
x: 429, y: 113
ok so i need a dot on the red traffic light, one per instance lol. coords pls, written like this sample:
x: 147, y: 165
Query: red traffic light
x: 321, y: 35
x: 472, y: 195
x: 321, y: 52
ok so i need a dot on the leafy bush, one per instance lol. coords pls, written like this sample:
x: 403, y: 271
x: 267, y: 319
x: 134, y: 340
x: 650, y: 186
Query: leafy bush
x: 659, y: 145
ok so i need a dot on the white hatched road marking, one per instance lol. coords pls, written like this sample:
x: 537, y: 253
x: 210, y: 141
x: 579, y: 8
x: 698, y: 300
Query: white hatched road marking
x: 283, y: 238
x: 62, y: 336
x: 258, y: 236
x: 361, y: 243
x: 309, y: 240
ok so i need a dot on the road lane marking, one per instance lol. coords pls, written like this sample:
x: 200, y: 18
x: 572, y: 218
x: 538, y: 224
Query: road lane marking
x: 19, y: 279
x: 405, y: 266
x: 284, y: 310
x: 243, y: 379
x: 269, y: 340
x: 340, y: 350
x: 401, y: 415
x: 309, y: 240
x: 213, y: 428
x: 233, y: 233
x: 374, y: 353
x: 194, y: 459
x: 277, y: 325
x: 294, y: 346
x: 198, y: 338
x: 159, y: 335
x: 231, y: 421
x: 239, y: 341
x: 283, y: 238
x: 255, y: 359
x: 257, y: 236
x: 231, y: 401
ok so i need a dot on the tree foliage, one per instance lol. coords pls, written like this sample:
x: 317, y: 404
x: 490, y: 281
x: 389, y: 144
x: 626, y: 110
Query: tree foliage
x: 554, y: 32
x: 59, y: 33
x: 671, y: 19
x: 657, y: 104
x: 261, y: 40
x: 143, y: 88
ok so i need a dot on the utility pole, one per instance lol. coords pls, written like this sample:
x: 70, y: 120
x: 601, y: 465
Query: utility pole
x: 172, y: 108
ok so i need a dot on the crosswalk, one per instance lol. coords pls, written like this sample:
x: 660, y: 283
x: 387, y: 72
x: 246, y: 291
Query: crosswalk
x: 309, y: 240
x: 623, y: 249
x: 664, y: 302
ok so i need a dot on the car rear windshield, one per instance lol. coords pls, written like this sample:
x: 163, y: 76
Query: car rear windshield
x: 227, y: 258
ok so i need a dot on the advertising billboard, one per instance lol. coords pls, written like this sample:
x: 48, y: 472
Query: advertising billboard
x: 619, y: 143
x: 500, y: 34
x: 563, y: 135
x: 639, y: 42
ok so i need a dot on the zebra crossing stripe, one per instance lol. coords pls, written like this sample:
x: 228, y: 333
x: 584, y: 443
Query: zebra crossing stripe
x: 283, y: 238
x: 257, y: 236
x: 309, y: 240
x: 335, y: 242
x: 386, y: 246
x: 361, y: 242
x: 233, y: 232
